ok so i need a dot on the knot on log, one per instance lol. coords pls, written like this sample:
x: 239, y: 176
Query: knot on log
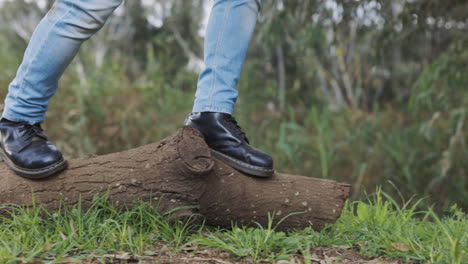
x: 194, y: 152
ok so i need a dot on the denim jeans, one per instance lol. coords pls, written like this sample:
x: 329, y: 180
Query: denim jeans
x: 59, y: 35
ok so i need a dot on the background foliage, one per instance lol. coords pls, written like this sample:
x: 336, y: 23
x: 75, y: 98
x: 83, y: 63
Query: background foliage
x: 369, y: 92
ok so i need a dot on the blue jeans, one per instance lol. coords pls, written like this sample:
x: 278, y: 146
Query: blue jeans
x: 69, y: 23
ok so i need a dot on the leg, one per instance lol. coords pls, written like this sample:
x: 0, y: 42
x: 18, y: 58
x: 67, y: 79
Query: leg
x: 53, y: 45
x: 230, y: 30
x: 228, y: 36
x: 55, y: 42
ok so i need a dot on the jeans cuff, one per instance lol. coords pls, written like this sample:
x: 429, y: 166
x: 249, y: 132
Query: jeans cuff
x: 16, y: 118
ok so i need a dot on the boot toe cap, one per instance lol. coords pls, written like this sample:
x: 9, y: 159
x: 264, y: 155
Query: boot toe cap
x: 260, y: 159
x: 39, y: 157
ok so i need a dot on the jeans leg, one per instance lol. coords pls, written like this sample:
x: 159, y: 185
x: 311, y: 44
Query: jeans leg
x: 52, y: 47
x: 230, y: 28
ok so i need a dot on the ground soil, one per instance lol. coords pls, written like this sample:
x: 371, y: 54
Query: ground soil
x: 194, y: 255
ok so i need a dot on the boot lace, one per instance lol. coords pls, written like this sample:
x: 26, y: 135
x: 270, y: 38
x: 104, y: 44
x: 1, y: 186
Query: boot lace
x: 237, y: 127
x: 30, y: 132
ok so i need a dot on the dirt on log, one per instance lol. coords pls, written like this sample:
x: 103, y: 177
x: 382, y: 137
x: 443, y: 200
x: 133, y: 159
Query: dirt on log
x: 179, y: 171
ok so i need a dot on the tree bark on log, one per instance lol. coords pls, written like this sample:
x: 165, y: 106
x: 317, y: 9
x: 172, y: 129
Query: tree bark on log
x: 179, y: 171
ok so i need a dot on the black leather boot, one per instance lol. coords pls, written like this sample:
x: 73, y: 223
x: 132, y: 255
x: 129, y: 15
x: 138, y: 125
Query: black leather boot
x: 25, y: 149
x: 228, y: 143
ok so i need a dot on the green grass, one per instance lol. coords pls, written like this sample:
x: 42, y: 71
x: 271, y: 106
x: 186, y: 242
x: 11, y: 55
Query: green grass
x: 29, y: 234
x: 376, y: 227
x: 381, y: 227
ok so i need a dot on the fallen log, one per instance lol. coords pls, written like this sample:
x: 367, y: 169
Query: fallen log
x: 179, y: 171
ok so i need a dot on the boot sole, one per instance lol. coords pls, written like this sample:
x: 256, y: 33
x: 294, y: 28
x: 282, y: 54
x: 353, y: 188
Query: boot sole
x: 263, y: 172
x: 37, y: 173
